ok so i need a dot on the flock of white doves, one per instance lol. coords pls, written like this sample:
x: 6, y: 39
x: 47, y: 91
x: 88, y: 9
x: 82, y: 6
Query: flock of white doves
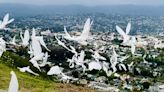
x: 36, y: 53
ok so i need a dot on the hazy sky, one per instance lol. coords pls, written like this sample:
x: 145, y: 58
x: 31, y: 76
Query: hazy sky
x: 86, y: 2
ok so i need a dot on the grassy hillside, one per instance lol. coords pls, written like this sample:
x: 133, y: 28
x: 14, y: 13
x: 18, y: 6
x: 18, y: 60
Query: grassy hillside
x: 30, y: 83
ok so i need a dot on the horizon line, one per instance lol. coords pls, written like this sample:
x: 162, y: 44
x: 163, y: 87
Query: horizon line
x: 83, y: 5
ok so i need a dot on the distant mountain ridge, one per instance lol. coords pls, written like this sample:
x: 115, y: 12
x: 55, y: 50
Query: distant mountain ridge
x: 27, y: 10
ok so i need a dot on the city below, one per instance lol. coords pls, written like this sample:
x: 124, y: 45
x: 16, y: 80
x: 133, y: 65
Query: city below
x: 89, y: 52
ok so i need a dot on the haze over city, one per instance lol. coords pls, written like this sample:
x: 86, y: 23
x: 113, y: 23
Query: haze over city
x: 86, y: 2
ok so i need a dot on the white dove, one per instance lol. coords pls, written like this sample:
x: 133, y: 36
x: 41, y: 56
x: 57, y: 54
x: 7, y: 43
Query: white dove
x: 62, y: 44
x: 67, y: 35
x: 13, y: 41
x: 105, y: 67
x: 72, y: 61
x: 130, y: 66
x: 97, y: 56
x: 13, y: 86
x: 45, y: 58
x: 80, y: 60
x: 37, y: 52
x: 94, y: 65
x: 65, y: 77
x: 27, y: 69
x: 43, y: 43
x: 133, y: 43
x: 39, y: 38
x: 30, y: 51
x: 2, y: 46
x: 124, y: 34
x: 84, y: 35
x: 113, y: 60
x: 5, y: 21
x: 35, y: 63
x: 25, y: 39
x: 122, y: 67
x: 73, y: 50
x: 55, y: 70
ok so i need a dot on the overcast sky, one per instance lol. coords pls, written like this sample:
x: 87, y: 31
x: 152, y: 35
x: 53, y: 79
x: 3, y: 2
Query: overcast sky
x: 86, y: 2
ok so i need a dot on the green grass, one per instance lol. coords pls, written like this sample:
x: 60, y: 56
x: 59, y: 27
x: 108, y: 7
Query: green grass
x: 30, y: 83
x: 26, y: 81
